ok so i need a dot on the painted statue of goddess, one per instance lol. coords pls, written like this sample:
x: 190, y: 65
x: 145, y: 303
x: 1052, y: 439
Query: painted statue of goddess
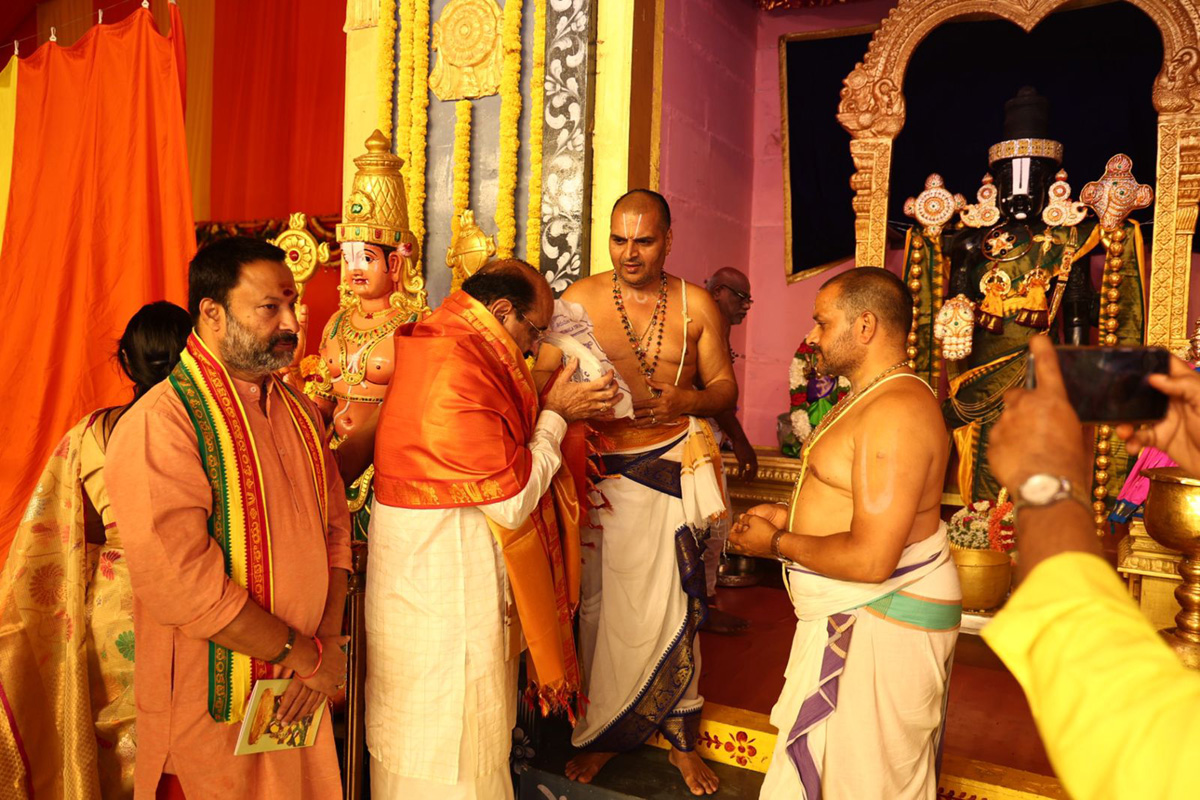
x: 381, y: 289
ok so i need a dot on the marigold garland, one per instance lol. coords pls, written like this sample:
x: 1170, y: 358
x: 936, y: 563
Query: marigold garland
x: 510, y: 138
x: 418, y: 126
x: 400, y: 141
x: 387, y: 63
x: 462, y: 161
x: 537, y: 118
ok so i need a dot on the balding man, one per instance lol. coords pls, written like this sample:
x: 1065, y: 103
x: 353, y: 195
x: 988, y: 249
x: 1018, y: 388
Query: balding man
x: 868, y: 564
x: 466, y: 540
x: 730, y: 289
x: 643, y: 578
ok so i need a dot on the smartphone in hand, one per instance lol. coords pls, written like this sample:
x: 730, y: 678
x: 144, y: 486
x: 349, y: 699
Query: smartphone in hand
x: 1109, y: 384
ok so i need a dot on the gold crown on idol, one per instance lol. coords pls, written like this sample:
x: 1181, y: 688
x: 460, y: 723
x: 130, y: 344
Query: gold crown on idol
x: 1018, y: 148
x: 377, y: 210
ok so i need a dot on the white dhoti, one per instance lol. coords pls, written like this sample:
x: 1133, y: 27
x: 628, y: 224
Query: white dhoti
x: 441, y: 692
x: 863, y: 706
x: 643, y: 593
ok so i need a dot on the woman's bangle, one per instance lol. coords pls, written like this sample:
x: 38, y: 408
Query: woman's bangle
x: 320, y: 650
x: 775, y: 539
x: 287, y: 646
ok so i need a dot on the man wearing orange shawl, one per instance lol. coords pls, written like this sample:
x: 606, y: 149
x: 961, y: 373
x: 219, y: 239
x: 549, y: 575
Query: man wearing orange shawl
x: 474, y: 541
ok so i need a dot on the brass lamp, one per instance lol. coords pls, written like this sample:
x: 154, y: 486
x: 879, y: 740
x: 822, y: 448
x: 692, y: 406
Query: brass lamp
x: 1172, y: 518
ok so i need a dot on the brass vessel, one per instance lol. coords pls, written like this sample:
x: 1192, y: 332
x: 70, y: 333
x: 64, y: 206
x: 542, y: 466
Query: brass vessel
x: 985, y: 575
x: 1172, y: 518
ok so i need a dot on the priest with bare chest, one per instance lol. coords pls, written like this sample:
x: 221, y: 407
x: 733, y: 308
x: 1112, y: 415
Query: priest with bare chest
x: 643, y: 589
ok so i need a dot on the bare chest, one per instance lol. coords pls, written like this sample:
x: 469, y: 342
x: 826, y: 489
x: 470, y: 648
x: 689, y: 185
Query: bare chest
x: 660, y: 340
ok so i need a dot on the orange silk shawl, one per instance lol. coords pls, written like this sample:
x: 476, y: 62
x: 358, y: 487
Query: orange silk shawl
x: 452, y: 432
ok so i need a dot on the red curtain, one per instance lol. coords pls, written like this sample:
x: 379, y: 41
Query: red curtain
x: 99, y: 222
x: 278, y: 94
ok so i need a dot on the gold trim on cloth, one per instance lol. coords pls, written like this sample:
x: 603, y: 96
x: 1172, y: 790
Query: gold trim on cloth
x: 622, y: 435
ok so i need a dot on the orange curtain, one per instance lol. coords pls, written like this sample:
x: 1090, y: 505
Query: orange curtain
x: 99, y: 222
x: 278, y: 81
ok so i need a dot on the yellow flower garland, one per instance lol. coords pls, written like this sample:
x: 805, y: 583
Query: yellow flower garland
x: 387, y: 63
x: 462, y: 161
x: 537, y: 117
x: 418, y: 125
x: 510, y: 140
x: 404, y: 89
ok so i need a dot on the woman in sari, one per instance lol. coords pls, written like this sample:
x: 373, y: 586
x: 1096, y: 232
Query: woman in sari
x: 66, y: 604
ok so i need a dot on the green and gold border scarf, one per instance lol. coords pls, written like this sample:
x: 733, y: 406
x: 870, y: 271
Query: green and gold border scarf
x: 239, y: 520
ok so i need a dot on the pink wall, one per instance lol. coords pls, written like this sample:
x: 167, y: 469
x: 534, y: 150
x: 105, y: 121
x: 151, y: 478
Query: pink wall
x: 782, y: 313
x: 707, y: 128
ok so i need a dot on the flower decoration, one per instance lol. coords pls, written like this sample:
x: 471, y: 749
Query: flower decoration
x: 419, y: 123
x: 510, y: 137
x: 537, y: 119
x: 983, y: 525
x: 522, y: 751
x: 811, y: 395
x: 48, y: 585
x: 462, y: 161
x: 741, y: 748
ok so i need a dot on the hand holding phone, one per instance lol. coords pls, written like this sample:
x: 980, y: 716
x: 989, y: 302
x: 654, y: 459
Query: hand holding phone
x: 1110, y: 384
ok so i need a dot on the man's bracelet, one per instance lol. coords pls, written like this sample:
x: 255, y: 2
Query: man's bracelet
x: 775, y: 539
x: 287, y: 647
x: 317, y: 668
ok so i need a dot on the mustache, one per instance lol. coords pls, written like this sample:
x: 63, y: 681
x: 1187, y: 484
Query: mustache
x: 285, y: 338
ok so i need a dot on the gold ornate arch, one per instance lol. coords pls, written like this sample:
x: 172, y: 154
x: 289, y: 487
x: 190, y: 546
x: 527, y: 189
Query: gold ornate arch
x: 872, y: 111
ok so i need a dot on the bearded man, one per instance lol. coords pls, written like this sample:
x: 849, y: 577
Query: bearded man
x: 643, y: 595
x: 238, y: 541
x: 869, y: 571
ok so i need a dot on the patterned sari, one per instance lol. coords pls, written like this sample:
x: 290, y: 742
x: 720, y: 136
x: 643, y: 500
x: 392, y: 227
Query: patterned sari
x: 66, y: 639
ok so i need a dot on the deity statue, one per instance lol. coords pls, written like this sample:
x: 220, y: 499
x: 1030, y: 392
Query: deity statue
x: 1014, y: 267
x: 381, y: 289
x: 469, y: 249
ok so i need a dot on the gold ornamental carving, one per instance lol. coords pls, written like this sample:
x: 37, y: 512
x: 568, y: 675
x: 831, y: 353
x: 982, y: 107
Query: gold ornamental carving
x: 872, y: 110
x: 469, y: 50
x: 469, y: 250
x: 302, y: 253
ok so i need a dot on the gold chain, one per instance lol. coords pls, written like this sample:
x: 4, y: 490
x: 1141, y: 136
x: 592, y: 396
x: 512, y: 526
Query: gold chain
x: 348, y: 334
x: 847, y: 400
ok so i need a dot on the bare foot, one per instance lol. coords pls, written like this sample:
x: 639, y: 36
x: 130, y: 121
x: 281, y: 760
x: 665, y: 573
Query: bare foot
x: 699, y: 778
x: 584, y: 766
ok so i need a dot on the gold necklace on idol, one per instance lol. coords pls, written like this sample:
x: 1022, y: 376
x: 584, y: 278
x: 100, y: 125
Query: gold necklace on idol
x: 354, y: 367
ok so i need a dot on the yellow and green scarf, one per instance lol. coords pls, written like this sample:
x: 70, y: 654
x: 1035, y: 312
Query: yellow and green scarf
x: 239, y: 511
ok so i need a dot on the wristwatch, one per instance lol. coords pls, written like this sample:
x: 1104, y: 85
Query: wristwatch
x: 1044, y: 489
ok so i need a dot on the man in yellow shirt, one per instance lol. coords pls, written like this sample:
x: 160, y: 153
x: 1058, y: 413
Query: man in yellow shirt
x: 1116, y: 709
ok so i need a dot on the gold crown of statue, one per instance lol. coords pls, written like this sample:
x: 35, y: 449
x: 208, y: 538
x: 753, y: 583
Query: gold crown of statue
x: 377, y: 209
x: 1018, y: 148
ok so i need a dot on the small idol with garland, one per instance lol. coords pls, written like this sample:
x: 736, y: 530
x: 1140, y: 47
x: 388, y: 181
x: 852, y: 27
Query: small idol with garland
x: 381, y: 289
x: 812, y: 395
x: 1015, y: 266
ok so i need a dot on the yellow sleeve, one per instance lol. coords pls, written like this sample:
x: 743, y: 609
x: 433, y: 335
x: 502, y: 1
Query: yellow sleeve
x: 91, y: 473
x: 1117, y: 711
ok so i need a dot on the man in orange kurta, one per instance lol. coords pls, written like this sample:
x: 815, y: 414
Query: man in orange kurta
x: 242, y: 299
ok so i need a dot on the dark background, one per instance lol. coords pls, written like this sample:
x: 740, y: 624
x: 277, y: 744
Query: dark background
x: 1095, y: 65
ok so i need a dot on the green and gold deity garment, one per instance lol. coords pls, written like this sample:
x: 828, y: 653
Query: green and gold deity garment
x: 1016, y: 282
